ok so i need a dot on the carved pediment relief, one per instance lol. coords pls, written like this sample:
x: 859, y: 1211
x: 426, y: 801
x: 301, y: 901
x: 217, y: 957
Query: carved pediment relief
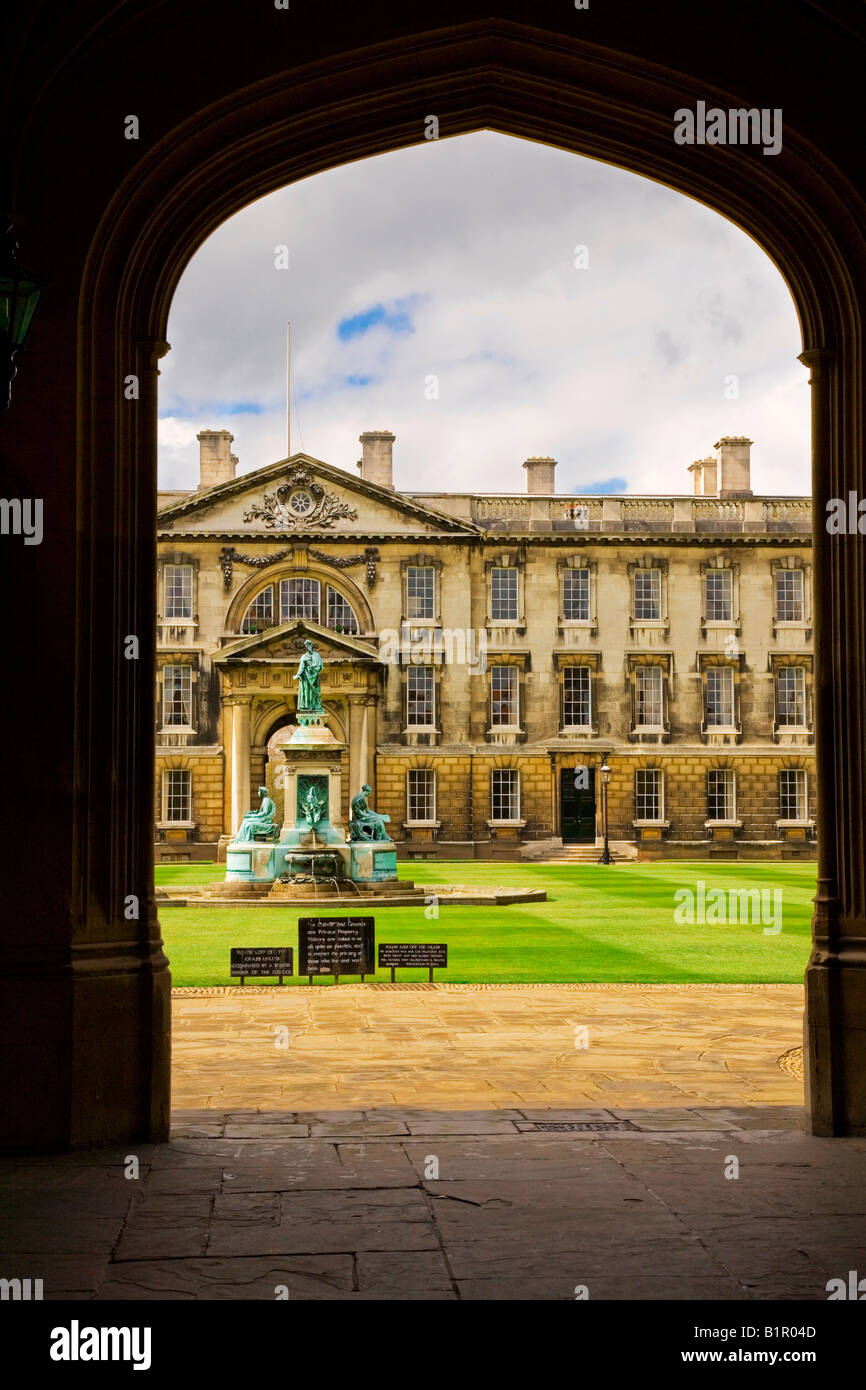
x: 298, y: 502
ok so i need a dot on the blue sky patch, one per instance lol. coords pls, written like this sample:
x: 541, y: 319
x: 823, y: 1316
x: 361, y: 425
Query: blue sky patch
x: 395, y: 320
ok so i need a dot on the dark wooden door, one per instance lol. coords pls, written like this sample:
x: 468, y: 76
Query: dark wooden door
x: 577, y: 805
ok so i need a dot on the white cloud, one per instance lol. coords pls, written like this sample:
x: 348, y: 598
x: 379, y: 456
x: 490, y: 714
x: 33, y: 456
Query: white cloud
x: 615, y: 370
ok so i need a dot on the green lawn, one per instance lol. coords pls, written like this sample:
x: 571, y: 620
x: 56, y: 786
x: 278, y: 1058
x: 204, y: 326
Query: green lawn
x: 599, y: 924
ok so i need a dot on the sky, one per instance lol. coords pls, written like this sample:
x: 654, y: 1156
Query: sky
x: 441, y: 292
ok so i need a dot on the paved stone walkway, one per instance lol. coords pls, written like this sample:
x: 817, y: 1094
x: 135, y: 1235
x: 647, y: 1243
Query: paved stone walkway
x: 422, y: 1170
x: 456, y: 1047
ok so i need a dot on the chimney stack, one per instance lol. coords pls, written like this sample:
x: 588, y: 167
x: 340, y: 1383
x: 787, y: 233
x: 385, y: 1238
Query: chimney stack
x: 539, y: 475
x: 217, y: 463
x: 706, y: 477
x: 734, y: 465
x: 376, y: 462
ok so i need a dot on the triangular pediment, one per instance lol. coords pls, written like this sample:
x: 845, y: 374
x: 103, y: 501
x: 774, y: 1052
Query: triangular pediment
x: 301, y: 496
x: 286, y: 643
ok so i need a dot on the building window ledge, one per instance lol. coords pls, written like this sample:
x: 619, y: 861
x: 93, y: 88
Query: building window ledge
x: 723, y: 824
x: 421, y: 824
x: 175, y: 825
x: 505, y: 824
x: 651, y: 824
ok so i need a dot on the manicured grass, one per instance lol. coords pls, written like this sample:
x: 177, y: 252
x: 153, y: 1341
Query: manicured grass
x: 598, y: 924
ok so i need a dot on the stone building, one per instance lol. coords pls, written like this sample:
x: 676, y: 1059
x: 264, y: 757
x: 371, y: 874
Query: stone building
x: 484, y: 653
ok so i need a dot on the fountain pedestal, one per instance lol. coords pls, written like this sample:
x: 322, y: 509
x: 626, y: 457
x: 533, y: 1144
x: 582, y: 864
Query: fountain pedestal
x: 313, y: 837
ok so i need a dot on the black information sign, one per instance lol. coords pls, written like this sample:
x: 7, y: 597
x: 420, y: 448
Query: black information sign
x: 261, y: 960
x: 336, y: 946
x: 416, y: 955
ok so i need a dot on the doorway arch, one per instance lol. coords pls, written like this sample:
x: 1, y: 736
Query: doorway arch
x: 604, y: 103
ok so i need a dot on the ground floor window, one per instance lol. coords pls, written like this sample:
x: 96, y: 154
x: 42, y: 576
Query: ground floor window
x: 421, y: 794
x: 177, y: 794
x: 720, y: 794
x: 648, y: 794
x: 505, y: 794
x: 792, y: 794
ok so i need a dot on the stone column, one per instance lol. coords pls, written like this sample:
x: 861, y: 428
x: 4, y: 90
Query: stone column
x: 357, y: 728
x: 835, y: 1020
x: 367, y: 767
x: 240, y: 759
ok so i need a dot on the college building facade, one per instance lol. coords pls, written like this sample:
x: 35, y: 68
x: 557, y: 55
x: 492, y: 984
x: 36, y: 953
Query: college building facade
x: 484, y: 654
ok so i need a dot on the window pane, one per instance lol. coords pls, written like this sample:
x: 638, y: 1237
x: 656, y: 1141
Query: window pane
x: 576, y: 697
x: 720, y: 794
x: 176, y: 695
x: 419, y: 696
x: 341, y: 614
x: 419, y: 592
x: 299, y: 598
x: 791, y: 696
x: 176, y: 793
x: 789, y: 596
x: 720, y: 697
x: 720, y: 596
x: 260, y: 613
x: 178, y: 591
x: 647, y: 794
x: 647, y: 595
x: 648, y: 696
x: 504, y: 687
x: 503, y: 595
x: 575, y: 595
x: 505, y: 794
x: 422, y: 794
x: 792, y: 794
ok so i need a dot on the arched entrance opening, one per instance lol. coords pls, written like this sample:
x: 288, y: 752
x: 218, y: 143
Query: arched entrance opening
x: 488, y: 74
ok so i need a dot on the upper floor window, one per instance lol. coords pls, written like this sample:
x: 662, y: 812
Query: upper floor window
x: 177, y: 696
x: 790, y: 606
x: 503, y: 596
x: 649, y: 699
x: 791, y: 696
x: 504, y: 697
x: 420, y: 592
x: 647, y: 595
x: 177, y: 596
x: 575, y: 595
x: 260, y: 613
x: 341, y: 615
x: 576, y: 699
x: 720, y: 697
x: 299, y: 598
x: 420, y: 697
x: 720, y: 595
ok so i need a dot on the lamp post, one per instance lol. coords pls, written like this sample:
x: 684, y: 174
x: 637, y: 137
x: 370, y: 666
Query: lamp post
x: 605, y: 779
x: 20, y: 293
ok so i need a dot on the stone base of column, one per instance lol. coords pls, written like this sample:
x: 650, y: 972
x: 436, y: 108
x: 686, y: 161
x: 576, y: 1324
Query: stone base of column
x: 84, y: 1050
x: 835, y: 1044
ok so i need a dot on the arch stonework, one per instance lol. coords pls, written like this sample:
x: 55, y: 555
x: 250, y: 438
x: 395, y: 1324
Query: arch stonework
x: 216, y: 136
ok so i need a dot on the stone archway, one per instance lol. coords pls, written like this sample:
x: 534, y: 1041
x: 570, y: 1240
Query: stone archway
x: 93, y: 968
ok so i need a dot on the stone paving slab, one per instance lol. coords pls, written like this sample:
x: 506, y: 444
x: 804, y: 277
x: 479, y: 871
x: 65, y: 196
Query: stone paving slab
x: 451, y: 1047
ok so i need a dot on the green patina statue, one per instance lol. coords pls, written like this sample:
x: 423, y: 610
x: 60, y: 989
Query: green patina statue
x: 366, y: 824
x: 260, y: 824
x: 308, y: 676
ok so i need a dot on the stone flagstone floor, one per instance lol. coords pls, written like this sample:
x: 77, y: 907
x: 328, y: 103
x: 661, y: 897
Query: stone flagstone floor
x: 420, y: 1173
